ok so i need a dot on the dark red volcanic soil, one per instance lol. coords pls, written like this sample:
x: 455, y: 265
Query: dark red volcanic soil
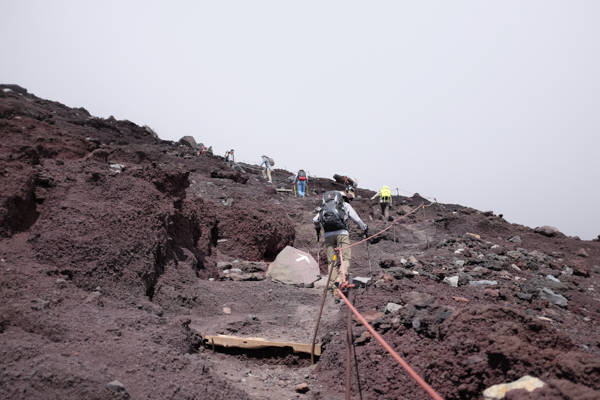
x: 110, y: 272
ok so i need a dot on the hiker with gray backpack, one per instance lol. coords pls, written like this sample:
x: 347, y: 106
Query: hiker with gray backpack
x: 301, y: 178
x: 333, y: 216
x: 267, y: 165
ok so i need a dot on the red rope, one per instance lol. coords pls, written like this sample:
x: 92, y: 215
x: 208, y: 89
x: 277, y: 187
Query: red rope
x: 389, y: 349
x: 339, y: 251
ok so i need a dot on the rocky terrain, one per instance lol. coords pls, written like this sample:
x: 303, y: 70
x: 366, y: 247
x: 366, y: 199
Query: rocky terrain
x: 113, y: 251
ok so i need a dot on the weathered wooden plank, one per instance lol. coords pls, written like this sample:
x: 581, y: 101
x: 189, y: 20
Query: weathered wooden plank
x: 258, y: 343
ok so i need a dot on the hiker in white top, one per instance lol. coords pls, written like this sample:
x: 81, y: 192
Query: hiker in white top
x: 333, y: 216
x: 267, y: 168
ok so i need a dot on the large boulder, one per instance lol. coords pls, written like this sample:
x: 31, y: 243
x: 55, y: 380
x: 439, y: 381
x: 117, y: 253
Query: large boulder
x: 294, y: 267
x: 188, y: 141
x: 546, y: 230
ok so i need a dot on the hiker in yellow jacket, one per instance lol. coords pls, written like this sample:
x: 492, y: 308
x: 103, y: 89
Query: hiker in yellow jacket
x: 385, y: 201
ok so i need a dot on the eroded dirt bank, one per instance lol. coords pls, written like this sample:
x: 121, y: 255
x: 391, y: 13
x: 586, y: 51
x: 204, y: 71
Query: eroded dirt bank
x: 109, y: 239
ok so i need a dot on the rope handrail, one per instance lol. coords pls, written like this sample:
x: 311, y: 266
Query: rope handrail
x: 385, y: 345
x: 389, y: 349
x: 339, y: 251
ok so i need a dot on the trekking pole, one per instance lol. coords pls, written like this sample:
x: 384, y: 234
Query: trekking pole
x: 369, y: 257
x: 318, y: 254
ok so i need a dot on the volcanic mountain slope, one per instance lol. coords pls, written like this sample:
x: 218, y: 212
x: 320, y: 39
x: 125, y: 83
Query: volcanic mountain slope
x: 112, y: 245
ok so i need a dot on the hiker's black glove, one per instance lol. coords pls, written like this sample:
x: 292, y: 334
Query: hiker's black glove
x: 318, y: 233
x: 366, y: 231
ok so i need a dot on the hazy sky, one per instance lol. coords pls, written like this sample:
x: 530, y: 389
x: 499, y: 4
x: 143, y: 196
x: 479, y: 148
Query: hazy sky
x: 493, y: 105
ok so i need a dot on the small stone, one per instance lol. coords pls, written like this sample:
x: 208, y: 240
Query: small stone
x: 557, y: 299
x: 516, y: 240
x: 490, y: 293
x: 92, y: 297
x: 582, y: 253
x: 461, y: 299
x: 226, y: 310
x: 391, y: 308
x: 498, y: 392
x: 302, y: 388
x: 552, y: 278
x: 363, y: 338
x: 452, y: 281
x: 474, y: 236
x: 115, y: 386
x: 361, y: 281
x: 483, y: 283
x: 513, y: 266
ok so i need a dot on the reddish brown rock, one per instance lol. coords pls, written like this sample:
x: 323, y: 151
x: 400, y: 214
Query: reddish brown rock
x: 302, y: 388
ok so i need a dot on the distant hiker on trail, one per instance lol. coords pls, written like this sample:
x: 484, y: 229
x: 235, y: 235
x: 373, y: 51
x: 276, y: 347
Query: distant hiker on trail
x: 229, y: 157
x: 333, y: 216
x: 267, y: 165
x: 209, y: 152
x: 385, y: 201
x: 201, y: 152
x: 302, y: 179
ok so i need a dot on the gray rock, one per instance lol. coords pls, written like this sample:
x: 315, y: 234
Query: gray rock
x: 538, y: 256
x: 452, y: 281
x: 399, y: 272
x: 419, y: 300
x: 464, y: 279
x: 552, y: 278
x: 582, y: 253
x: 360, y: 281
x: 567, y: 271
x: 188, y: 141
x: 516, y: 240
x: 483, y: 283
x: 115, y: 386
x: 413, y: 260
x: 524, y: 296
x: 514, y: 255
x: 546, y: 230
x: 150, y: 131
x: 443, y: 315
x: 13, y: 88
x: 93, y: 297
x: 294, y: 267
x: 391, y: 308
x: 552, y: 297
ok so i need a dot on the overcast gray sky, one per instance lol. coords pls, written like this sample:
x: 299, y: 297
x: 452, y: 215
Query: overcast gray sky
x: 493, y: 105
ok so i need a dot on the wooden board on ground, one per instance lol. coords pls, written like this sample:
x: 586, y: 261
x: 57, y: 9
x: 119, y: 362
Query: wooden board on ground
x: 258, y: 343
x: 284, y: 190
